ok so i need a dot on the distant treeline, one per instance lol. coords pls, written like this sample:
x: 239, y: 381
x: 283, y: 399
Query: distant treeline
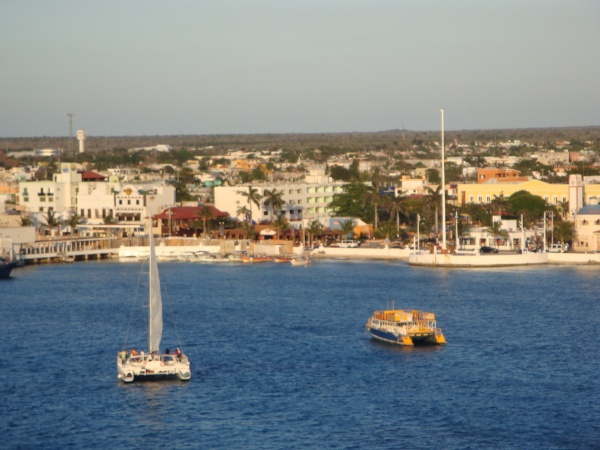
x: 393, y: 140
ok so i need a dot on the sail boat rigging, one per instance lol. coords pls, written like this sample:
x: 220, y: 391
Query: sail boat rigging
x: 131, y: 365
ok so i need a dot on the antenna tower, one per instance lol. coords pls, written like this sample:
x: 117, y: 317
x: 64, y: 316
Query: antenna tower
x: 70, y: 116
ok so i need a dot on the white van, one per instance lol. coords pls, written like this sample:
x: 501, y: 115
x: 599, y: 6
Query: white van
x: 555, y: 248
x: 349, y: 243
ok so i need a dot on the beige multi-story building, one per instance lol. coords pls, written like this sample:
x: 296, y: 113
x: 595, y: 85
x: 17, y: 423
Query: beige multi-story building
x: 303, y: 202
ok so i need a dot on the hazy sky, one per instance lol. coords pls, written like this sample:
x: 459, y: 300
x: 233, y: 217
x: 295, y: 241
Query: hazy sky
x: 255, y: 66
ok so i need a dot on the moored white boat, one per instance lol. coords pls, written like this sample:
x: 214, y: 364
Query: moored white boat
x: 301, y: 261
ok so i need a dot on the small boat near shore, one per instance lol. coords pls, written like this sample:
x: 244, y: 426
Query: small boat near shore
x: 6, y: 268
x: 301, y: 261
x: 256, y: 259
x: 282, y: 259
x: 405, y: 327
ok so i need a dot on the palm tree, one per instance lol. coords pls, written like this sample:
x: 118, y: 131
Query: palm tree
x: 314, y: 229
x: 110, y: 219
x: 372, y: 197
x: 204, y: 214
x: 281, y: 224
x: 51, y: 220
x: 273, y: 201
x: 244, y: 212
x: 252, y: 197
x: 433, y: 202
x: 73, y: 220
x: 395, y: 206
x: 386, y: 229
x: 348, y: 229
x: 499, y: 203
x: 563, y: 208
x: 565, y: 231
x: 26, y: 221
x: 497, y: 231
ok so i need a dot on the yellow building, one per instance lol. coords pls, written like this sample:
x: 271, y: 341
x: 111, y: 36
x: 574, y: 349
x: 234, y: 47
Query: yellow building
x: 552, y: 193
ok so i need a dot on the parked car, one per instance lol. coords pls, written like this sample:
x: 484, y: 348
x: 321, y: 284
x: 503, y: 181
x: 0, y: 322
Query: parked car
x: 486, y: 249
x: 556, y: 248
x: 349, y: 243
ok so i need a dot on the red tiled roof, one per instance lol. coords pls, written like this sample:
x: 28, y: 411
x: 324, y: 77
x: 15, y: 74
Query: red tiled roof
x: 91, y: 175
x: 187, y: 213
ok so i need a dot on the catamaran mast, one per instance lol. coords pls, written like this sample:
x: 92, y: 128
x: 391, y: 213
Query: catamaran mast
x: 443, y: 188
x: 155, y: 324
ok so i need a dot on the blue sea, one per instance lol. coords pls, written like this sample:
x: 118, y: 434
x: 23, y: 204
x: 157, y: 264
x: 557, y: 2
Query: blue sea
x: 281, y: 360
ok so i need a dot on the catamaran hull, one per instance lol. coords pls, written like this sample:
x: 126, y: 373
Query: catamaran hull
x: 153, y: 370
x: 389, y: 338
x: 130, y: 377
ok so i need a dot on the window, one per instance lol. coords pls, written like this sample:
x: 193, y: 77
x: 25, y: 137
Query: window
x: 120, y: 202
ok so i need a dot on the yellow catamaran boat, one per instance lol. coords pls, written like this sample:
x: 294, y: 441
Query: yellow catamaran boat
x: 405, y: 327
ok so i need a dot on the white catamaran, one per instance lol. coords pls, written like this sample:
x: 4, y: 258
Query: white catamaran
x: 133, y: 365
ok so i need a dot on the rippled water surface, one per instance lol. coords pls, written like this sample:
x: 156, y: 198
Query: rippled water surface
x: 281, y: 360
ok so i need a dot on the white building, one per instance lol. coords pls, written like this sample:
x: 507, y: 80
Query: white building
x: 94, y: 200
x: 157, y: 148
x: 411, y: 186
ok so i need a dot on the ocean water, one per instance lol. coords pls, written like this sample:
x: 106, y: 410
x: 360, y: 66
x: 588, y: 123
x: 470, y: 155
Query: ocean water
x: 281, y: 360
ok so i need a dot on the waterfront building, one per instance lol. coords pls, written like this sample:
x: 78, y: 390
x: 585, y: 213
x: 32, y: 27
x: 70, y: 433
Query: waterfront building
x: 587, y: 224
x: 553, y: 193
x: 94, y: 200
x: 303, y: 201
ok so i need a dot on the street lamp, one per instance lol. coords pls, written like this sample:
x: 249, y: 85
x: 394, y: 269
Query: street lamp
x: 418, y: 233
x: 456, y: 239
x: 552, y: 229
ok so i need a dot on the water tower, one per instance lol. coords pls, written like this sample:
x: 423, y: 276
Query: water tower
x: 81, y: 139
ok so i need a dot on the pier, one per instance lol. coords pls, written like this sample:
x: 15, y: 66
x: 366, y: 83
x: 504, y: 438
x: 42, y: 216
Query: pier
x: 64, y: 249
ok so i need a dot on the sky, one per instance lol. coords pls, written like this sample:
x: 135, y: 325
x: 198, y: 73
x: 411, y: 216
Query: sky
x: 158, y: 67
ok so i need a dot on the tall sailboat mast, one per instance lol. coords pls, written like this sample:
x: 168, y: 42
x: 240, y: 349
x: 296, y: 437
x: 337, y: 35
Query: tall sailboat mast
x: 155, y: 323
x: 443, y: 187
